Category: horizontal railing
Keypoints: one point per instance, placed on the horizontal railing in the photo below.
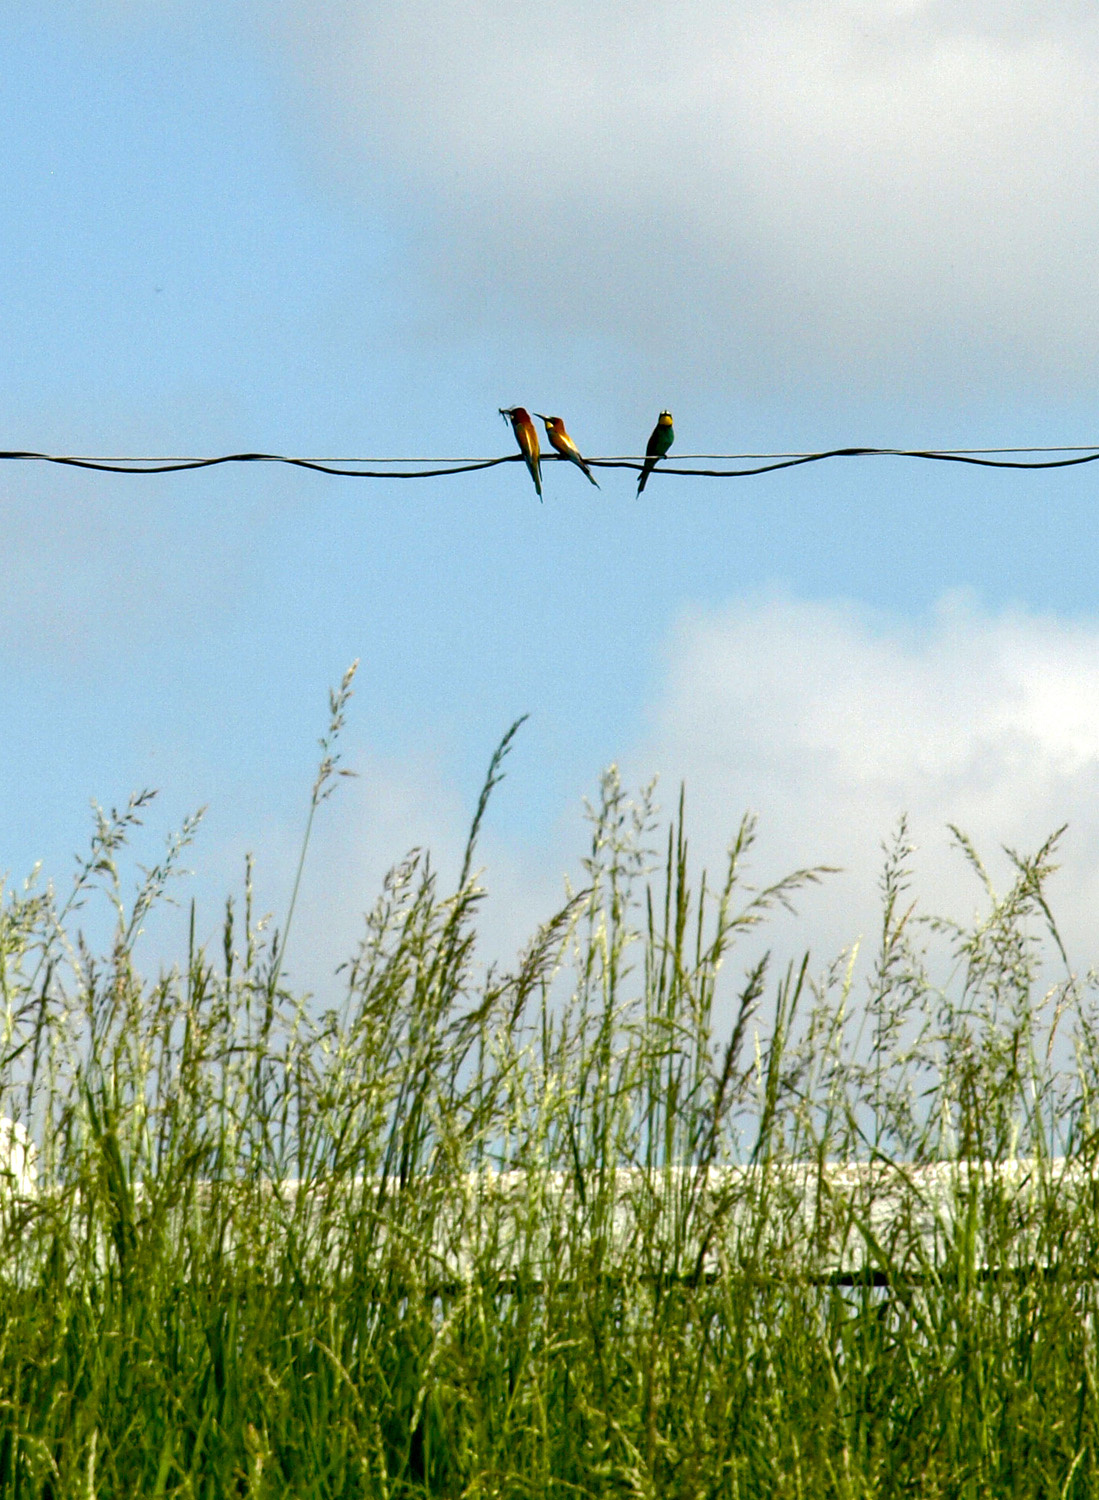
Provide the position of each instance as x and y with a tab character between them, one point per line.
876	1221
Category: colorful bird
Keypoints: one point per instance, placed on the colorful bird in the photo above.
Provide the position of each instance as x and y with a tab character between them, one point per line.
526	435
559	439
663	436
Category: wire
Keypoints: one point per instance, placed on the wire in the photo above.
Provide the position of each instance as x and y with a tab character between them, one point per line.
956	456
354	468
322	466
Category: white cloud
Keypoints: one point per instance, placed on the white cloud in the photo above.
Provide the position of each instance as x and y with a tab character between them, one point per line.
829	724
826	722
893	187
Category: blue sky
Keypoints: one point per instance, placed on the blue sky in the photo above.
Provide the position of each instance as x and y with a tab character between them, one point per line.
339	228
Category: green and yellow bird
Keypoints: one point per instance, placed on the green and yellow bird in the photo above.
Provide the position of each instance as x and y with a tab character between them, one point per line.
560	440
663	436
526	435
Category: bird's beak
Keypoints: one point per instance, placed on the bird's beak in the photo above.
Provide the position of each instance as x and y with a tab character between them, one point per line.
540	417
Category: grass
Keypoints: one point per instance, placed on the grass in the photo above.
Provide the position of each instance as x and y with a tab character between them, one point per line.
548	1232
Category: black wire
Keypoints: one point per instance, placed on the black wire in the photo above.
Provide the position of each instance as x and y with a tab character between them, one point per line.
814	458
177	465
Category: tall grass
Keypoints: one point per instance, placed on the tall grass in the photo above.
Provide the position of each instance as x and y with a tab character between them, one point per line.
550	1231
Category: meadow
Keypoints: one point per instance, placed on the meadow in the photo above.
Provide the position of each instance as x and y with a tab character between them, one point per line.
550	1230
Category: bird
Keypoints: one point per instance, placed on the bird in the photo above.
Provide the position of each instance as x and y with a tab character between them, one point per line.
559	439
526	435
663	436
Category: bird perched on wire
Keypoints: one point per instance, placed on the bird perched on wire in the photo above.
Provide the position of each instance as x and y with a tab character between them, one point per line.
560	440
526	435
663	436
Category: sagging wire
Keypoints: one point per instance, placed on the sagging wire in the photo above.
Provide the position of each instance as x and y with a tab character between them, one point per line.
355	468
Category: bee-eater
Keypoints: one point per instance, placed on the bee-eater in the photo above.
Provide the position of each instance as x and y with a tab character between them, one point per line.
526	435
559	439
663	436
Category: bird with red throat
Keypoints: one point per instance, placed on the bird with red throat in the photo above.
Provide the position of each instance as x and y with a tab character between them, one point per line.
526	435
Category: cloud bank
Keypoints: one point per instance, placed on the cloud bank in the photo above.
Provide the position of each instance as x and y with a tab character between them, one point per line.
825	721
900	190
830	724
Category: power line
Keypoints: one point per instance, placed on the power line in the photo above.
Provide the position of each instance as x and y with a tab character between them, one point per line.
413	468
321	465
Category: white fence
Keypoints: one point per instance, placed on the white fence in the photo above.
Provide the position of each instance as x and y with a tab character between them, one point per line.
846	1222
